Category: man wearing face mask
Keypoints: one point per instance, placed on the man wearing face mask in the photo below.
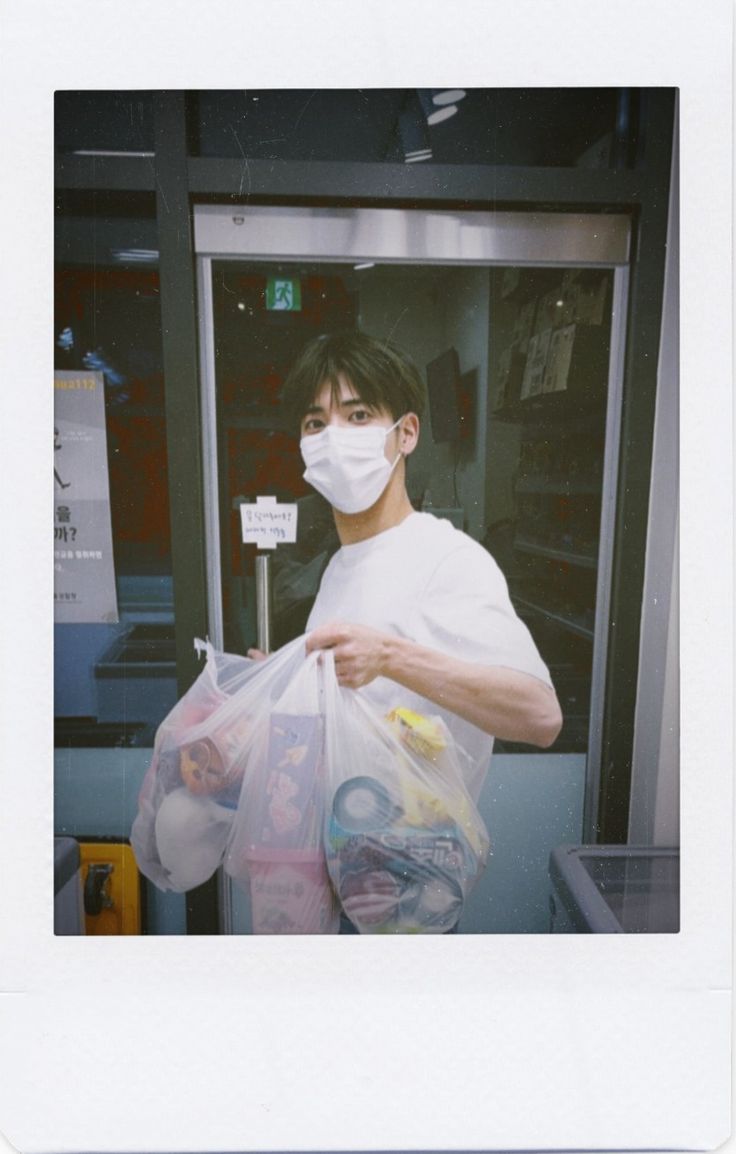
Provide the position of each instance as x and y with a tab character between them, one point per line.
416	612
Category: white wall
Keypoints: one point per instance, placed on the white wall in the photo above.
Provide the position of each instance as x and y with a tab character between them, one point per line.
654	810
667	797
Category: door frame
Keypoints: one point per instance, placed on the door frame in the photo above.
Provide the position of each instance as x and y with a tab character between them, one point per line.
337	235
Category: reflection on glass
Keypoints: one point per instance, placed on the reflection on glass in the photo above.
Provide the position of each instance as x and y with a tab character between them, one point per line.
104	123
551	342
552	127
115	683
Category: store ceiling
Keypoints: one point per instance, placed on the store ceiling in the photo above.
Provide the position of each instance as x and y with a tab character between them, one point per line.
529	126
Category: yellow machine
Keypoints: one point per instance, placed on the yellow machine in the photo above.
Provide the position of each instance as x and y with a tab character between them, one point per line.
112	888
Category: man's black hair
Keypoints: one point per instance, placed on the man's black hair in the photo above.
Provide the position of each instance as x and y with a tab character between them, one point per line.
382	375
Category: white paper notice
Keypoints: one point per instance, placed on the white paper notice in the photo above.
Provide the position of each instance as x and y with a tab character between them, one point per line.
268	524
84	570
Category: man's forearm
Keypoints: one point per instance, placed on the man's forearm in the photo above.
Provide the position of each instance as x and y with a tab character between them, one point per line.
511	705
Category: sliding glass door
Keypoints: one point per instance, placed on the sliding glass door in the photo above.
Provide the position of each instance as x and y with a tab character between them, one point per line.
517	321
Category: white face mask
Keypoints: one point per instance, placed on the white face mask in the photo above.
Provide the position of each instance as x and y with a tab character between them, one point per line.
348	466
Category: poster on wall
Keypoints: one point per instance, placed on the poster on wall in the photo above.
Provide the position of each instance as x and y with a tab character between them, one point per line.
84	570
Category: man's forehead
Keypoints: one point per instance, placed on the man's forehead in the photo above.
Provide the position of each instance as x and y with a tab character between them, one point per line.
328	395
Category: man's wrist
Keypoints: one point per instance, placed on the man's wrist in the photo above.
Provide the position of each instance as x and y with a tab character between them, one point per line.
396	655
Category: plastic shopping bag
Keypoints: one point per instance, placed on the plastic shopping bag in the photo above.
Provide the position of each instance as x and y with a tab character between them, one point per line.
190	793
276	849
404	841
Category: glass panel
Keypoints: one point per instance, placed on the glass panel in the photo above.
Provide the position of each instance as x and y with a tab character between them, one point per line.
115	682
550	127
511	449
593	127
550	346
104	122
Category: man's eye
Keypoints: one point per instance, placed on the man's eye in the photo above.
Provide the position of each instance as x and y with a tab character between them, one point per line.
313	425
360	416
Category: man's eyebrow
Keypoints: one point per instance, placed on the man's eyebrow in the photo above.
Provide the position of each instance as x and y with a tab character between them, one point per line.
350	402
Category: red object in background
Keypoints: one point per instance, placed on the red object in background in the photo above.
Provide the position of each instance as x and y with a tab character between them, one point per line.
117	311
256	390
139	493
562	510
466	412
325	301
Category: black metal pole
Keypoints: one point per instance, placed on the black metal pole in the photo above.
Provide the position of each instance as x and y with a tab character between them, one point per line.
183	423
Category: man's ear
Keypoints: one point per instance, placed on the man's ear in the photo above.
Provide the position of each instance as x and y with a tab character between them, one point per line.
408	433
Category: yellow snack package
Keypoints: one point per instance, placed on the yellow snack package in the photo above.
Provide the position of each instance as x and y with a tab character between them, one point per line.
427	738
423	735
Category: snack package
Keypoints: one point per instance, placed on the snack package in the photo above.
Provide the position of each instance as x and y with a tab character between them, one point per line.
404	841
275	849
190	793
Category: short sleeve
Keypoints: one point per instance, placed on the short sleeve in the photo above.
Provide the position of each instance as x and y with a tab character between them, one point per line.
465	611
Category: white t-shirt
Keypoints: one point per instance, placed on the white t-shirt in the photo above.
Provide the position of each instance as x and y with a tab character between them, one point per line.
428	582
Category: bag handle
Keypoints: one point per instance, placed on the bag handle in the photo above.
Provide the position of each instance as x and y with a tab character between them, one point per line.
205	647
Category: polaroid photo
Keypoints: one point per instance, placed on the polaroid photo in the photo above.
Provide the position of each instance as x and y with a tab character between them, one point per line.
425	394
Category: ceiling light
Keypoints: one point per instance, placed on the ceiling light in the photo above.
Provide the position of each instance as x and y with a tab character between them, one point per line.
443	96
107	152
135	255
368	264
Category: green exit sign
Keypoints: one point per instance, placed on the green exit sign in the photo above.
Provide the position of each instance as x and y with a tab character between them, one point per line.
283	294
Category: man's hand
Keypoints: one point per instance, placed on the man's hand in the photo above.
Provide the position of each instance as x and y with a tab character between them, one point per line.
256	655
359	652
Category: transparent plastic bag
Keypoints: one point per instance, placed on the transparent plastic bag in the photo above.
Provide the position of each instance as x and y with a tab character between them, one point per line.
192	788
307	796
276	849
404	841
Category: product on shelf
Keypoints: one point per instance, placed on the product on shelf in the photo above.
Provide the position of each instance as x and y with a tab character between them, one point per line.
533	383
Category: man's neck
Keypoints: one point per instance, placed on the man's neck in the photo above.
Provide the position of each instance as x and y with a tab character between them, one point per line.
391	508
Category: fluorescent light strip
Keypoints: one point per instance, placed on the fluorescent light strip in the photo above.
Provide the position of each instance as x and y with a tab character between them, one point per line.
141	255
107	152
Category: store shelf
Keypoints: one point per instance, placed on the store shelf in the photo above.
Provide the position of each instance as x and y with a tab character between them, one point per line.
582	560
575	408
565	622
